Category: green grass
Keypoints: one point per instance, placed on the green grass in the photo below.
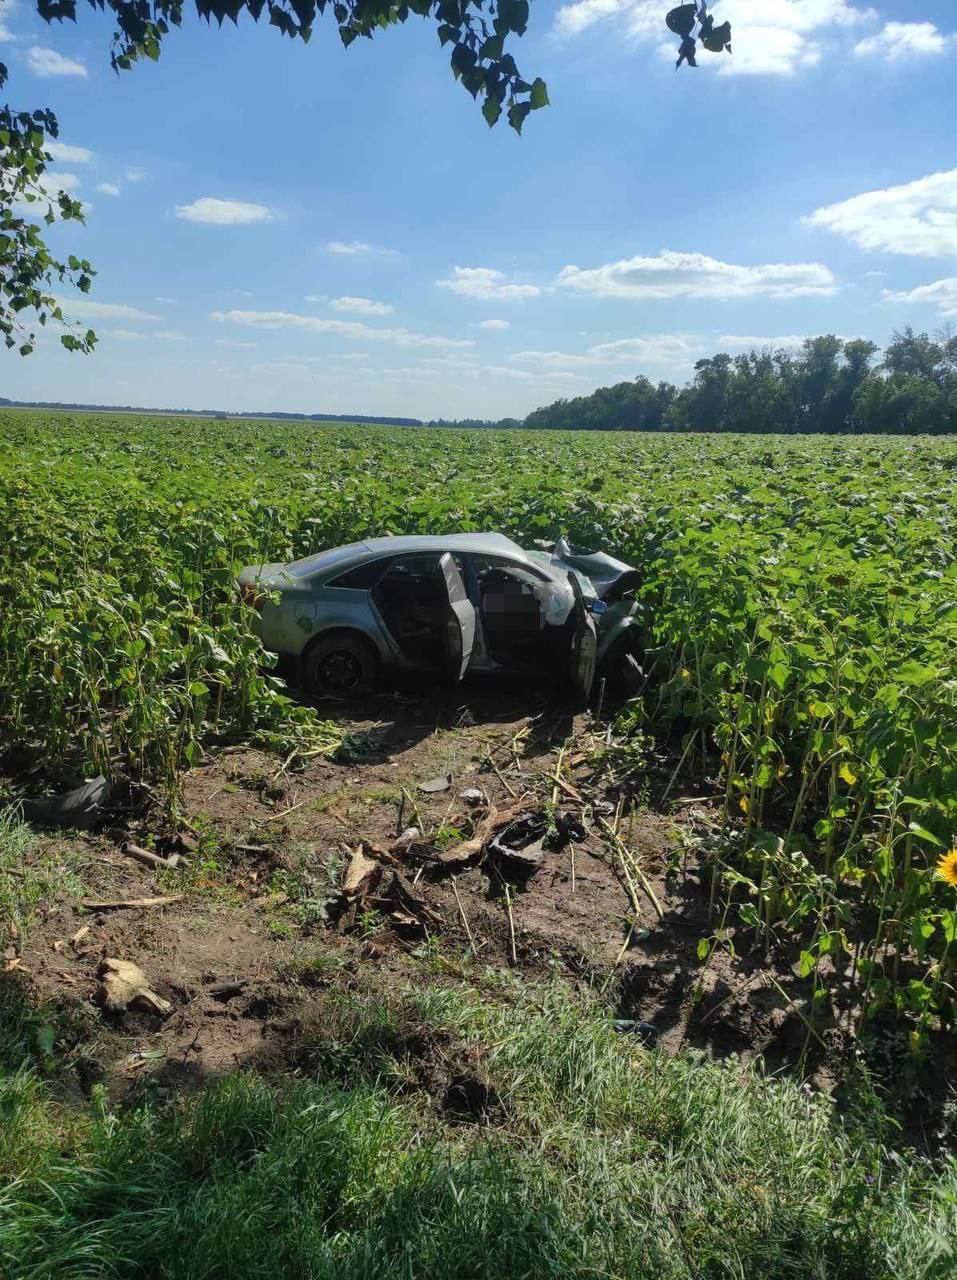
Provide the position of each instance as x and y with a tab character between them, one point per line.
608	1161
24	884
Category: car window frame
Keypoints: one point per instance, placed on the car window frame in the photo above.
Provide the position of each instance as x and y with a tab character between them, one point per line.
383	563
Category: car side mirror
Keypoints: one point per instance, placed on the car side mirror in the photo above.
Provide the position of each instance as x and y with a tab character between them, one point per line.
597	607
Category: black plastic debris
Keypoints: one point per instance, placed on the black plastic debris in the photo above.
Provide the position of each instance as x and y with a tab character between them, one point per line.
519	847
569	827
80	808
635	1026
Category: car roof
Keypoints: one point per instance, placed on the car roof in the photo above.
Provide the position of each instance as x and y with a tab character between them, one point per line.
492	543
340	559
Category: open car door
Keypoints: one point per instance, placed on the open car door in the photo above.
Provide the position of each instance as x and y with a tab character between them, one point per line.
584	651
460	626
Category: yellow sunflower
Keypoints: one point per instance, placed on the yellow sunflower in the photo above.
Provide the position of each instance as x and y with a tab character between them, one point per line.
947	867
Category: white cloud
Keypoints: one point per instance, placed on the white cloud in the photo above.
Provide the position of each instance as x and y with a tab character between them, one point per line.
695	275
169	335
357	248
89	309
166	302
108	188
71	155
53	180
353	329
47	188
734	342
236	346
6	9
494	324
775	37
135	174
361	306
213	212
918	218
47	63
899	40
486	285
129	335
942	294
661	349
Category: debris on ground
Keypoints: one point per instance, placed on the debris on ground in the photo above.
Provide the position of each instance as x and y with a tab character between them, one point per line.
435	785
519	846
406	908
470	850
80	808
473	797
148	859
227	990
361	874
123	984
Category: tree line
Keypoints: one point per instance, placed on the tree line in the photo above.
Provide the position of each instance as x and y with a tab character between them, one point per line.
829	385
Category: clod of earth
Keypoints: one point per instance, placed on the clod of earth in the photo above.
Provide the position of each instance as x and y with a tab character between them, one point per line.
226	990
123	983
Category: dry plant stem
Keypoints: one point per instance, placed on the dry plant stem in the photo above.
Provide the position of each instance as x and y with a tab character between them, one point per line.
511	923
792	1004
558	773
465	922
678	766
618	958
629	862
502	778
274	817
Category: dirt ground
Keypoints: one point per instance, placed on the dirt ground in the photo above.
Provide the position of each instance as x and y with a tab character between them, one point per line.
259	937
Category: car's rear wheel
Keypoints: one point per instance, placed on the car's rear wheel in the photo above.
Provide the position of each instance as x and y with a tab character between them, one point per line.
621	668
341	664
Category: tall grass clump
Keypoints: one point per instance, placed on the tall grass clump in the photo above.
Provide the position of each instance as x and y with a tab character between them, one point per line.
607	1161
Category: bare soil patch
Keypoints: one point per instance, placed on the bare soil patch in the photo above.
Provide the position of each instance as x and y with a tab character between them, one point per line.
252	955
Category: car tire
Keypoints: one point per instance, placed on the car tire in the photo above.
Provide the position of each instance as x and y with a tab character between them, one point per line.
620	668
341	664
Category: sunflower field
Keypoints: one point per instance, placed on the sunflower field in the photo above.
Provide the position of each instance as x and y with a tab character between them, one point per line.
801	596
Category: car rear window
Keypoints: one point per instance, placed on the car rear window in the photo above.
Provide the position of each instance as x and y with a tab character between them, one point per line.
362	578
309	565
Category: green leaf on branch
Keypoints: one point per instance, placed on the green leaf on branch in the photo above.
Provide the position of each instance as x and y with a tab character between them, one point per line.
539	96
491	110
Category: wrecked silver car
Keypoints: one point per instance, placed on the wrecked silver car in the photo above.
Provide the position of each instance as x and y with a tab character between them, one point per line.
450	605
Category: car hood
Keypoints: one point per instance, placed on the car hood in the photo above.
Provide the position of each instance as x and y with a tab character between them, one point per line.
599	573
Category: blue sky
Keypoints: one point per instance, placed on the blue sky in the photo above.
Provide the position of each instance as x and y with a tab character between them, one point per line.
279	226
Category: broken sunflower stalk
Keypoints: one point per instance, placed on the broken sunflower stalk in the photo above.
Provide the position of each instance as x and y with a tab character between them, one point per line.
684	19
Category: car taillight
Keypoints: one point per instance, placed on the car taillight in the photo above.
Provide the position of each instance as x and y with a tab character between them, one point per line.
252	596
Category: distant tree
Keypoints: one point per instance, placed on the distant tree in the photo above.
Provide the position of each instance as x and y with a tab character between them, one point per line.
917	387
829	385
705	405
476	30
627	406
